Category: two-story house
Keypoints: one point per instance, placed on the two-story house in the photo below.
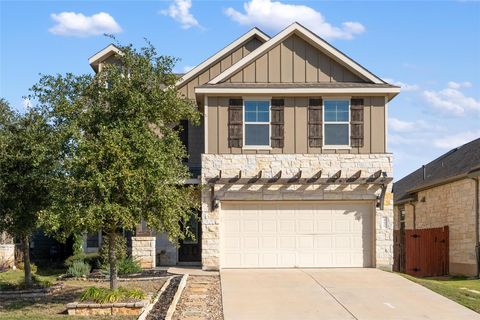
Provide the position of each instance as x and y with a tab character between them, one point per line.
292	153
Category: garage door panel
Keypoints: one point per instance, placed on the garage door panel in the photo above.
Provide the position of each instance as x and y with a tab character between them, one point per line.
269	243
286	226
269	226
287	243
296	235
305	226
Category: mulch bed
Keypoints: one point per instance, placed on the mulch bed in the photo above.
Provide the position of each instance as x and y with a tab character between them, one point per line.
99	275
159	310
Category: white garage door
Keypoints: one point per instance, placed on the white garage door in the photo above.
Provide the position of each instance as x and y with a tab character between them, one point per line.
296	234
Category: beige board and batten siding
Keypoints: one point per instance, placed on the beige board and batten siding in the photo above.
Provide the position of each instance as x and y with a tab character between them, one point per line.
294	61
295	126
188	89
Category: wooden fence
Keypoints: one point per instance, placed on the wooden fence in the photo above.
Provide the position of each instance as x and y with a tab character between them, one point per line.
422	252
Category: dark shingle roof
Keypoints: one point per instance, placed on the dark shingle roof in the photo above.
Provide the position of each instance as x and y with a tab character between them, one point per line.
455	163
300	85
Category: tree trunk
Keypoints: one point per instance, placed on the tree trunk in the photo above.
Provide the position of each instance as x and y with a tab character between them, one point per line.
26	261
112	258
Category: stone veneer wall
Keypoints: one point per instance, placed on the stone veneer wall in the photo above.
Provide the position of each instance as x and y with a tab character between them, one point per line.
7	256
143	249
451	205
310	164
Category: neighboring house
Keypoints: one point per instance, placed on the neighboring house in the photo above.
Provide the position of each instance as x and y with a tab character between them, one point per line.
444	192
292	151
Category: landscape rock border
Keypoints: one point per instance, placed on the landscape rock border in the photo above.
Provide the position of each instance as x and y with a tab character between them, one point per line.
178	294
117	308
31	293
149	307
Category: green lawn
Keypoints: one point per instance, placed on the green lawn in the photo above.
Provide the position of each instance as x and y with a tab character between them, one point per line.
454	288
53	307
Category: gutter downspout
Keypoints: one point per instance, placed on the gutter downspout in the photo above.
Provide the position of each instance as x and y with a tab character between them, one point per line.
477	220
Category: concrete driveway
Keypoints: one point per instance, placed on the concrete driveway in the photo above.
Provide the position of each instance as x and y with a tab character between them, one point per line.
256	294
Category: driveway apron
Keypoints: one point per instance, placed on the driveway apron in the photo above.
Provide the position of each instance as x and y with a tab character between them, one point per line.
366	294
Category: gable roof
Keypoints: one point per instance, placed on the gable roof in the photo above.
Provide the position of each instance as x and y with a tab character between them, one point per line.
255	32
102	55
456	164
313	38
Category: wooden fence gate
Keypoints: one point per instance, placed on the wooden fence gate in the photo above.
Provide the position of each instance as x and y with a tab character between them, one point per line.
426	252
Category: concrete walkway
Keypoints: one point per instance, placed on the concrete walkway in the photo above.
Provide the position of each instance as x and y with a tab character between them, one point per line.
331	294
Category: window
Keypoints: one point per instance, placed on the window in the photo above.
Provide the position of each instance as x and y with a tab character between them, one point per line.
93	240
257	123
336	117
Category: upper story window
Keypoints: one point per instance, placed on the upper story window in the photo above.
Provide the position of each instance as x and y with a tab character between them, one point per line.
336	119
257	123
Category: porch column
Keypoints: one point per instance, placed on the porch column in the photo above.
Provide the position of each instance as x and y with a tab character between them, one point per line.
143	249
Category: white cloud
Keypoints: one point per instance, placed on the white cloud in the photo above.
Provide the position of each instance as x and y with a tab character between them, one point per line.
179	11
457	85
456	140
398	125
78	25
275	15
403	85
452	101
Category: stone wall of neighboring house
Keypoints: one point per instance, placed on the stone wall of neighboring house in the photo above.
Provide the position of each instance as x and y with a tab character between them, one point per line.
451	205
310	164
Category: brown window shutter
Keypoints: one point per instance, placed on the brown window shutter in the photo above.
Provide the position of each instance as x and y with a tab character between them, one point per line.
315	133
356	123
277	123
235	123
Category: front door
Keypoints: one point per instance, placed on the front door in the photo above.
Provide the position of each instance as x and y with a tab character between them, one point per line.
190	248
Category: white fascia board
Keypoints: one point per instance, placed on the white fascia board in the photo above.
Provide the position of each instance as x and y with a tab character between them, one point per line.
102	53
282	36
296	90
219	54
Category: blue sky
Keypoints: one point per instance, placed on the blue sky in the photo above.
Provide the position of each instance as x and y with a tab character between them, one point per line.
431	49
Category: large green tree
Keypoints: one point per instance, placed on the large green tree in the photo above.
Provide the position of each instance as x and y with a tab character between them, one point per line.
122	155
28	161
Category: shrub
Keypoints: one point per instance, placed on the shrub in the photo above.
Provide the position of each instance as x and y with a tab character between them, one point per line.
33	267
128	265
78	257
79	269
104	295
93	259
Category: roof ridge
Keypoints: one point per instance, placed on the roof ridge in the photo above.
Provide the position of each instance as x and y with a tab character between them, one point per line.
318	41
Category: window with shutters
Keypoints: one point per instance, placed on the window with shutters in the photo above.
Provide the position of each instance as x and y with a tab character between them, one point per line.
256	123
336	119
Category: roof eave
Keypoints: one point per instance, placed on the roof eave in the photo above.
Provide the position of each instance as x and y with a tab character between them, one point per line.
199	68
103	54
390	92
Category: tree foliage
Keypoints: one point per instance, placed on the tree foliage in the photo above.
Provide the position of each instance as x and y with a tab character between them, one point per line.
121	154
28	160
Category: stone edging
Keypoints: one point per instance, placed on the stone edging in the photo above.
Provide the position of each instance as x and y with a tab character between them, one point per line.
173	305
117	308
148	308
32	292
124	279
